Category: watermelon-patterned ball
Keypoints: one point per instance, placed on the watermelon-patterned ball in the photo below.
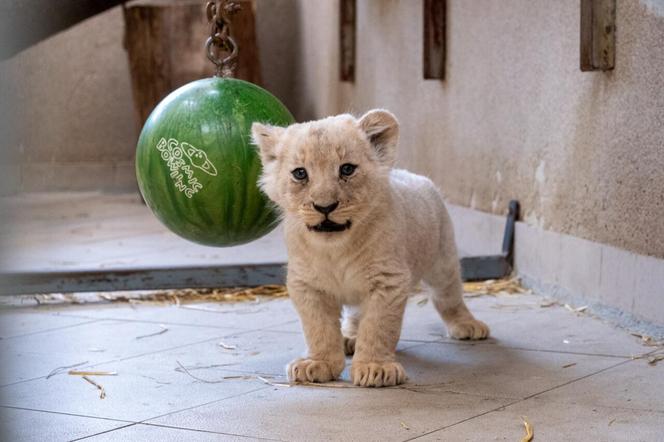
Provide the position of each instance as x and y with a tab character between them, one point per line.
196	166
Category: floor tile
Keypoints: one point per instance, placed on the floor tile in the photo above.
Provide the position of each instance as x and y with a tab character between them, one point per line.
320	413
104	231
262	352
242	315
570	374
518	321
495	371
32	356
634	385
144	387
28	425
163	434
557	422
294	326
255	352
22	321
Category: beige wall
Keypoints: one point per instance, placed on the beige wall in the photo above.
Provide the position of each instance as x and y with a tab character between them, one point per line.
66	111
75	126
515	117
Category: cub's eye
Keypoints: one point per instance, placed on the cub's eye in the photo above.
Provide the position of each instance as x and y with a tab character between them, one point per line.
299	174
347	169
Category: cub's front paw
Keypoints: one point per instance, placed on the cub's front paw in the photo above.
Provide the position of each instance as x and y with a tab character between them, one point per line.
377	374
310	370
468	329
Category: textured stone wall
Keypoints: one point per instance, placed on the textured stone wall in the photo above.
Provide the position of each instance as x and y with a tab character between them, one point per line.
66	114
74	120
515	117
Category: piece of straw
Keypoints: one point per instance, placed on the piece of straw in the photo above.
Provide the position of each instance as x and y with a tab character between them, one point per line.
274	384
653	360
92	373
102	392
530	433
61	369
163	330
493	287
184	370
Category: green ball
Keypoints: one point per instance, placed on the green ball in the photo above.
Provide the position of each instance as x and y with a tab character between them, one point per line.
196	167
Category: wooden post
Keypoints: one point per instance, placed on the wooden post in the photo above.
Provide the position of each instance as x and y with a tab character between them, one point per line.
347	14
166	49
598	35
434	39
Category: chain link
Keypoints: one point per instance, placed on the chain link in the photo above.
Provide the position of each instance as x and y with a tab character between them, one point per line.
219	13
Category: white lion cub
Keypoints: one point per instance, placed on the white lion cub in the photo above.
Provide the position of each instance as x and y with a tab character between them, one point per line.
360	235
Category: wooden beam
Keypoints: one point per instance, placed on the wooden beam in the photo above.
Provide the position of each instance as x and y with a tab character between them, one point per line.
434	39
598	35
165	42
347	12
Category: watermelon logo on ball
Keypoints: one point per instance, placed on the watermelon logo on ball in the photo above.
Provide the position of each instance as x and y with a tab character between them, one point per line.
196	167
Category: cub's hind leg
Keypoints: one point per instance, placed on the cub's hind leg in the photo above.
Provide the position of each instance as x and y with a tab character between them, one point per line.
444	277
349	326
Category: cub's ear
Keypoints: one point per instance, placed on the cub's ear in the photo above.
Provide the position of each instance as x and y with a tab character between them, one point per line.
382	130
266	137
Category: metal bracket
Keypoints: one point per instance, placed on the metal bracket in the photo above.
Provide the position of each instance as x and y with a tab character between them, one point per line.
474	268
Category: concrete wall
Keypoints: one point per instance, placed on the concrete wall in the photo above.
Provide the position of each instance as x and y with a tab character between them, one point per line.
67	116
515	117
74	124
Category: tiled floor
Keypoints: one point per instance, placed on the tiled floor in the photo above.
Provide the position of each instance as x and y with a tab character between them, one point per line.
573	377
90	231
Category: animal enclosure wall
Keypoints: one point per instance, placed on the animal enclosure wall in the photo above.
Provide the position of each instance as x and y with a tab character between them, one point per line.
515	117
68	117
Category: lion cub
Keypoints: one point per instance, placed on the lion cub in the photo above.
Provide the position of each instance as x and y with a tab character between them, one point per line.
360	235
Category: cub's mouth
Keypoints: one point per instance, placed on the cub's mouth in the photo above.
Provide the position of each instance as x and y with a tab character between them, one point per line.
330	226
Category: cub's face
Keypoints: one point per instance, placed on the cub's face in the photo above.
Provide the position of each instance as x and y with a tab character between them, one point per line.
327	174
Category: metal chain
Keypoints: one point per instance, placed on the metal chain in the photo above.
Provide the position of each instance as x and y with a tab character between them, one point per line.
220	41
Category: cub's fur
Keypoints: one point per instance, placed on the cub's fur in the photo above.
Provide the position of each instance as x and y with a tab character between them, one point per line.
359	239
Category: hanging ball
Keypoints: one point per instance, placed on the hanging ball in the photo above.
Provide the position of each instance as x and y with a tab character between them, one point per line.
196	166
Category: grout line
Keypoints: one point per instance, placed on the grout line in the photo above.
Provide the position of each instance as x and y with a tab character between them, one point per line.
173	428
104	432
235	331
168	349
149	321
91	321
283	332
497	345
67	414
521	400
145	421
578	379
208	431
110	361
464	420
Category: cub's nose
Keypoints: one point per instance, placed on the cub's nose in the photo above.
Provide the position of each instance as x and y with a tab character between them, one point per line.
325	210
